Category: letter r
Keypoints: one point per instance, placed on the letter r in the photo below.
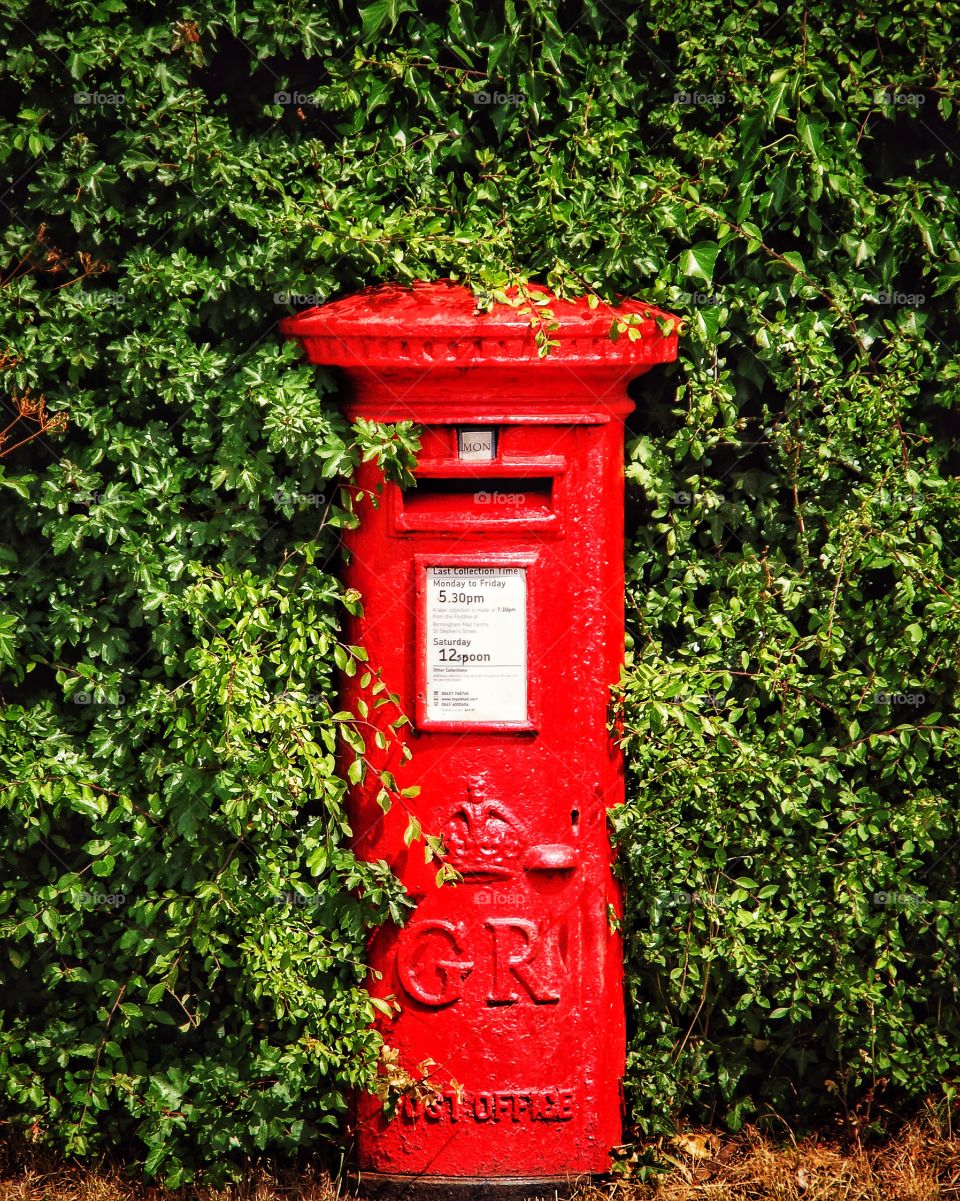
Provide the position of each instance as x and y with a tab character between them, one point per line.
512	962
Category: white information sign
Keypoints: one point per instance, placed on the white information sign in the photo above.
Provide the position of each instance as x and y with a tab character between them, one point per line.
476	644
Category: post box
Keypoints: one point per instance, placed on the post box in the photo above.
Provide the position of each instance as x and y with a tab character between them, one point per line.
493	607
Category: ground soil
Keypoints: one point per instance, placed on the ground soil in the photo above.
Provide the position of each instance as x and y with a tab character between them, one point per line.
920	1163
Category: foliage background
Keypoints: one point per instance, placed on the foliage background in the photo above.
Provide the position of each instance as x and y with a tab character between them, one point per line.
181	922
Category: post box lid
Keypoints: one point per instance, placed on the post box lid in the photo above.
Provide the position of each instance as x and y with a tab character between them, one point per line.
438	323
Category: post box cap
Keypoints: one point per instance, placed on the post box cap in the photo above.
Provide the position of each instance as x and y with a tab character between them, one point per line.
438	323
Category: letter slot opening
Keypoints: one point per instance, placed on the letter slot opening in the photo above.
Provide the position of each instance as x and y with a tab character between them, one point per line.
438	502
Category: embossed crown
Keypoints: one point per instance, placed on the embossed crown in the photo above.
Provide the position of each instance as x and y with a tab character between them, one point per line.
485	840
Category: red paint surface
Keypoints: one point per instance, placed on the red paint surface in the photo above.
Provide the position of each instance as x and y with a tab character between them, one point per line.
511	982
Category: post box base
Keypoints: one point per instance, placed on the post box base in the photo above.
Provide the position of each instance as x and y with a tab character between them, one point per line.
377	1186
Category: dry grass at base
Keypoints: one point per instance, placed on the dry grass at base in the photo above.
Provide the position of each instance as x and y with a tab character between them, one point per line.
68	1182
922	1163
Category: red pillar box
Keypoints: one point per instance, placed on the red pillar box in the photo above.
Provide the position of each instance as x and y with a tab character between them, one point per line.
493	607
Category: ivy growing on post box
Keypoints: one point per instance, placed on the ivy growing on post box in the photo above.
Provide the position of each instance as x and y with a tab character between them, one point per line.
182	924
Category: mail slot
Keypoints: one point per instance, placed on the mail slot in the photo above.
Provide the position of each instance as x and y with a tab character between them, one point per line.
493	607
437	503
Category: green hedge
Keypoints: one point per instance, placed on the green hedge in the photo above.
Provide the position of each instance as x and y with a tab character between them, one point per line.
182	923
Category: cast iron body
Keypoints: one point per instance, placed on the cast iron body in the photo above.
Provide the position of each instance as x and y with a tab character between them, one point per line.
510	983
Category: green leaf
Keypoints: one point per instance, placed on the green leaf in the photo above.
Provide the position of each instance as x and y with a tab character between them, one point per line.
698	261
383	14
412	832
